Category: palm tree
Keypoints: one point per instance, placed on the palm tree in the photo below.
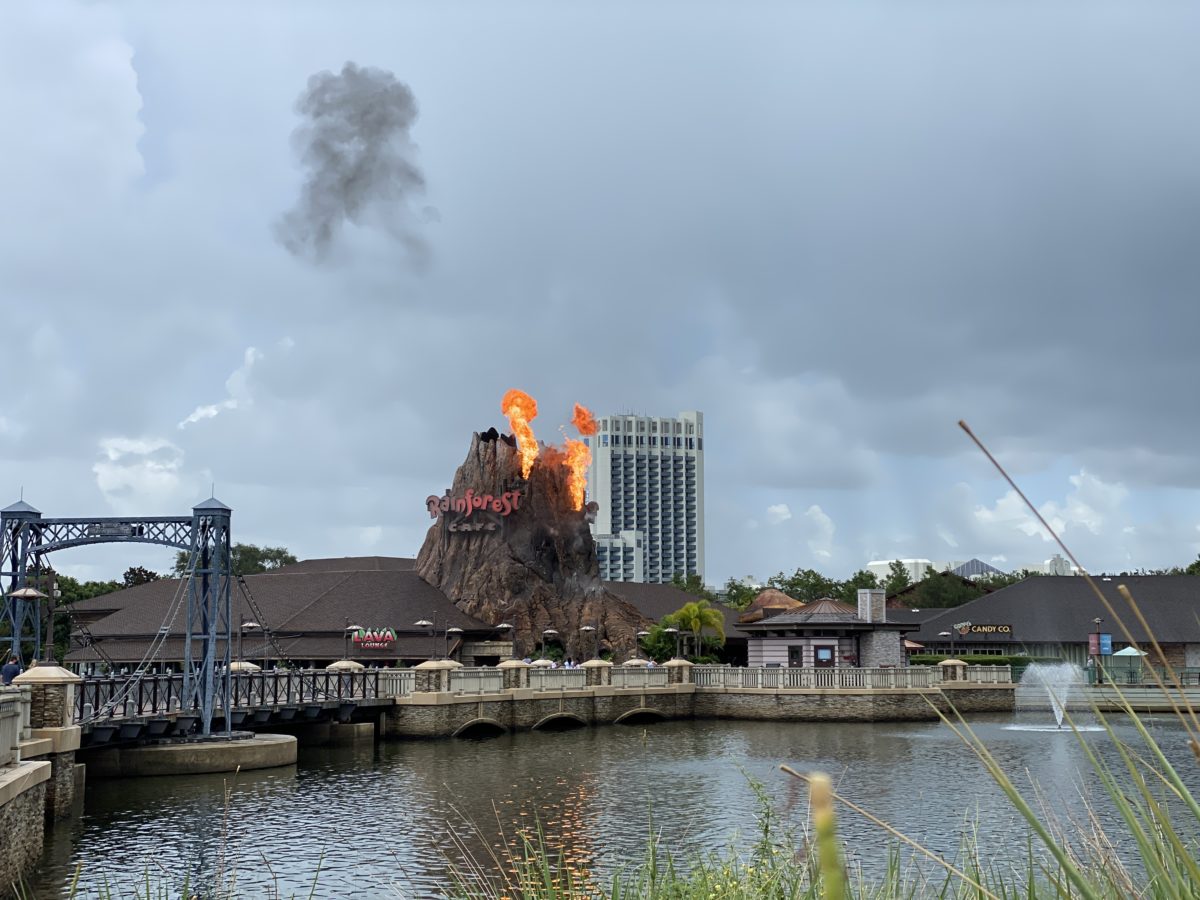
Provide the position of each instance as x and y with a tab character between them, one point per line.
695	617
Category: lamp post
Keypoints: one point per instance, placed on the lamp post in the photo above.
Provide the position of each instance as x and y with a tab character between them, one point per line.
590	631
1097	659
350	629
637	644
949	634
242	629
27	594
547	632
425	623
456	631
504	628
674	631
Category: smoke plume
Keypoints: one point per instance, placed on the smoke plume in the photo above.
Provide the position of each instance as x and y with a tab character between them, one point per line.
355	146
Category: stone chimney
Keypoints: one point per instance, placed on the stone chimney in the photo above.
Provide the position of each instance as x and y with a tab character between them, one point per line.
872	605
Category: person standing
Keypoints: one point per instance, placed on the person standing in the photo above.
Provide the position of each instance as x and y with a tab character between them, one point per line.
10	670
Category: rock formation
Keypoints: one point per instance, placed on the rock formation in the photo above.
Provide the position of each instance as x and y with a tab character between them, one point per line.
527	559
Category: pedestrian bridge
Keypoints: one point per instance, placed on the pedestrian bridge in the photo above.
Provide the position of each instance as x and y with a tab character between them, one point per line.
441	698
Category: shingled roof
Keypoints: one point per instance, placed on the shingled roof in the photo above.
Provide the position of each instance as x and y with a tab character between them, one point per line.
348	564
1061	609
770	602
315	605
656	601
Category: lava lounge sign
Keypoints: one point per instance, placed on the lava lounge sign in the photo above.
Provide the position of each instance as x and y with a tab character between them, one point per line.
470	511
375	638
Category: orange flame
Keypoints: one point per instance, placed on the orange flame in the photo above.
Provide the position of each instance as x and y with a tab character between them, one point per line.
584	421
521	409
579	457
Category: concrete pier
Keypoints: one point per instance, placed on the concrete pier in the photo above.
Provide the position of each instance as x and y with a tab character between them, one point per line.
263	751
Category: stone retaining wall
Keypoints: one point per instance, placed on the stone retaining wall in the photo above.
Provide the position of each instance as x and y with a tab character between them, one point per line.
22	822
60	788
818	706
433	715
975	699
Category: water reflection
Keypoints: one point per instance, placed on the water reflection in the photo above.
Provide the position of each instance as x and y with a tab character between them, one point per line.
371	817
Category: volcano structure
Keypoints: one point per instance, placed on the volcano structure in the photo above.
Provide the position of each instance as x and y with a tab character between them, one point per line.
507	548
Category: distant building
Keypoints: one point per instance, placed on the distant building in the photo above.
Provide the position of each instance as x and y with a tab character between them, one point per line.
1062	618
975	568
647	476
917	568
1055	565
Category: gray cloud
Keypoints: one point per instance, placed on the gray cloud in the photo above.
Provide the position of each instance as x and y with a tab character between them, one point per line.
863	225
356	148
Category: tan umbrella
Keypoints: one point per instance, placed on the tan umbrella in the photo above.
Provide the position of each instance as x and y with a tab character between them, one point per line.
28	593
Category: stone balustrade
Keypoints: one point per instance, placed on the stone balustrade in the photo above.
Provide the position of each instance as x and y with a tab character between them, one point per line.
15	706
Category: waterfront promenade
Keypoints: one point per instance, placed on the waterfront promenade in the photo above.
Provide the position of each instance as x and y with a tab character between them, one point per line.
439	698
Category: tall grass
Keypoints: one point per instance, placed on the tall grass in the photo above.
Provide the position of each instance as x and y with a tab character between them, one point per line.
1153	852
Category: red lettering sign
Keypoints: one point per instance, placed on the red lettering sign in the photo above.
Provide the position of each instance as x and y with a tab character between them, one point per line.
469	502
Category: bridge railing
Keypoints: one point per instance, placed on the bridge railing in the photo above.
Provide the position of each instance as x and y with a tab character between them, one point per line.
842	678
638	676
14	718
557	679
396	682
124	697
989	674
476	681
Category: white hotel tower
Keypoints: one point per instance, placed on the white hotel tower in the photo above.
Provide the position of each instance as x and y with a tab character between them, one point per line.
647	476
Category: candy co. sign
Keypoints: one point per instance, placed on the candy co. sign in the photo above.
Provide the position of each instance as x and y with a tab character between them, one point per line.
470	511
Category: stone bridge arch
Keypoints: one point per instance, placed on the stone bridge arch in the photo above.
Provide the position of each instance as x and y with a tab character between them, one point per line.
640	715
560	721
480	726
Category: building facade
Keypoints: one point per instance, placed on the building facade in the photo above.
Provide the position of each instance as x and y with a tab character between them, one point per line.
647	476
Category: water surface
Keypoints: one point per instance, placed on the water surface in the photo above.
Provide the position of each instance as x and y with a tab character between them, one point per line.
381	821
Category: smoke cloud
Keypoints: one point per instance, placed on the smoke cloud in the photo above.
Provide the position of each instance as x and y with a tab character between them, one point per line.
359	157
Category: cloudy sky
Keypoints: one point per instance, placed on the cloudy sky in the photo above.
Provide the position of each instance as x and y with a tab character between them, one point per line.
835	228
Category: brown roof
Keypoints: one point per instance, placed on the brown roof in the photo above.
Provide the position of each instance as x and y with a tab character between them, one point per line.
657	601
348	564
768	603
254	648
820	612
307	612
1060	609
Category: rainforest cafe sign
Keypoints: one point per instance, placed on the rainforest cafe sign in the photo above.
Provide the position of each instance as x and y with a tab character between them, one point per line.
375	638
459	509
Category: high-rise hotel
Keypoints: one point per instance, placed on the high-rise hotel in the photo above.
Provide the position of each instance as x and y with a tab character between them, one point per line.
647	476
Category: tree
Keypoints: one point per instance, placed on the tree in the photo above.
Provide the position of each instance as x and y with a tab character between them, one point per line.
71	590
738	594
897	578
938	590
247	559
695	618
999	580
860	580
657	644
136	575
1193	568
805	585
694	585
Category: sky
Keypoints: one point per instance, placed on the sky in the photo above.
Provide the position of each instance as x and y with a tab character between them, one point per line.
834	228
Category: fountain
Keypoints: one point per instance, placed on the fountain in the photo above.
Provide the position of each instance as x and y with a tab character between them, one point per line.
1048	684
